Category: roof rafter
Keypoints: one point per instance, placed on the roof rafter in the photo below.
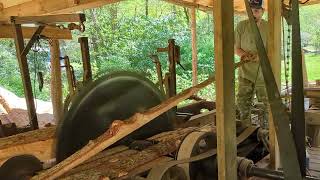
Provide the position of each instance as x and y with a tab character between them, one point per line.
43	7
50	32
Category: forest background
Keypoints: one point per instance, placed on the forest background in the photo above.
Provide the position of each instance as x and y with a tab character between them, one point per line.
122	36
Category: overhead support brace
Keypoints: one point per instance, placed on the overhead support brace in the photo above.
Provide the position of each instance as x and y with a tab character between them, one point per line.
49	19
32	40
225	93
279	115
24	70
87	73
28	32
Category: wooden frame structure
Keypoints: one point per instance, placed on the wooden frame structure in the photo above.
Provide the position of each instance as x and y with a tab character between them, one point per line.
22	51
223	14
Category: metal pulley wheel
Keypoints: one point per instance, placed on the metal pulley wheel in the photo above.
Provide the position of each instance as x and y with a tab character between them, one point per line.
116	96
196	143
173	173
20	167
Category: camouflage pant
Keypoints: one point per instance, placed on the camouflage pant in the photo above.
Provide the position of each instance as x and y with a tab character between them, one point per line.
245	98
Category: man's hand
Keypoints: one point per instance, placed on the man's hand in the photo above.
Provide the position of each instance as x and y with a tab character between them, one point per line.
249	57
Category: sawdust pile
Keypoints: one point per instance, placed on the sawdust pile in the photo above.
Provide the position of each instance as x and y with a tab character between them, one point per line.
14	110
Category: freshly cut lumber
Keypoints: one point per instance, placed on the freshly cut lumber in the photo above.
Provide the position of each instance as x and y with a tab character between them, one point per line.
39	143
131	162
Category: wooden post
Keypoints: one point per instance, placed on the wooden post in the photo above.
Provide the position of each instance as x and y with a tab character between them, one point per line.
87	73
24	70
304	70
274	53
194	46
172	68
225	93
56	84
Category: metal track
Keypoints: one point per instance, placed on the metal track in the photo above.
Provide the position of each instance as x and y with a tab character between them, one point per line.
158	172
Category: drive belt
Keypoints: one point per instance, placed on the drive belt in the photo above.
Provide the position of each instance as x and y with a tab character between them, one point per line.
157	172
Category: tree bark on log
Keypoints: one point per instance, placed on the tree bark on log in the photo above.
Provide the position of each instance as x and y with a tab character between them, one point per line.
124	164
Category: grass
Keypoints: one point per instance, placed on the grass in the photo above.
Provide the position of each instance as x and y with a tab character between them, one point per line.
313	68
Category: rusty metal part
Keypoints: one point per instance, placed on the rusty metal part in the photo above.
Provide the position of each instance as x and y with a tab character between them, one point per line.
247	169
195	138
196	143
173	173
156	61
20	167
116	96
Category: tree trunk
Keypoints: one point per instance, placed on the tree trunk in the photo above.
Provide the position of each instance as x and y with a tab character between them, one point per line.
186	12
147	8
56	83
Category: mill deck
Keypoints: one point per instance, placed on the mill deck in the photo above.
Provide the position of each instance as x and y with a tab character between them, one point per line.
314	163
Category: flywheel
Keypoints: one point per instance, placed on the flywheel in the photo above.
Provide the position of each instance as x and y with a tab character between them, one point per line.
196	143
116	96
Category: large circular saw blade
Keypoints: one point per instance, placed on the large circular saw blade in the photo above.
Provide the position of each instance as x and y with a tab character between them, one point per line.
116	96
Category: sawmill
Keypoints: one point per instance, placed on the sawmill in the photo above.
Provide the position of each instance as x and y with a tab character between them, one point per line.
124	126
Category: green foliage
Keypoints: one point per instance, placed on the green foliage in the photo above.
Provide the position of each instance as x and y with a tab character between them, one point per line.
122	36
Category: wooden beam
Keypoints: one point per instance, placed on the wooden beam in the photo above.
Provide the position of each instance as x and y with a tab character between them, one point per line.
38	142
56	83
7	31
45	7
312	92
87	73
24	70
225	94
48	19
9	3
304	70
274	53
190	4
32	40
193	24
313	117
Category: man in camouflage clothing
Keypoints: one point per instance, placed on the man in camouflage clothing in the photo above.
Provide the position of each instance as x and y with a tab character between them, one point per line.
251	80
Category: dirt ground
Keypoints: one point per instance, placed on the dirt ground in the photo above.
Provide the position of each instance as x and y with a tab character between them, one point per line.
14	110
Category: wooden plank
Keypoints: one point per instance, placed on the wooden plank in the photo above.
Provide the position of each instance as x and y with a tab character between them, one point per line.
38	142
9	3
192	4
200	119
274	53
45	7
193	24
56	83
313	117
304	70
172	68
7	31
87	73
24	70
48	19
312	92
32	40
225	94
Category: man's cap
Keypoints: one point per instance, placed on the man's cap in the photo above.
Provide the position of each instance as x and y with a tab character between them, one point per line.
256	4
